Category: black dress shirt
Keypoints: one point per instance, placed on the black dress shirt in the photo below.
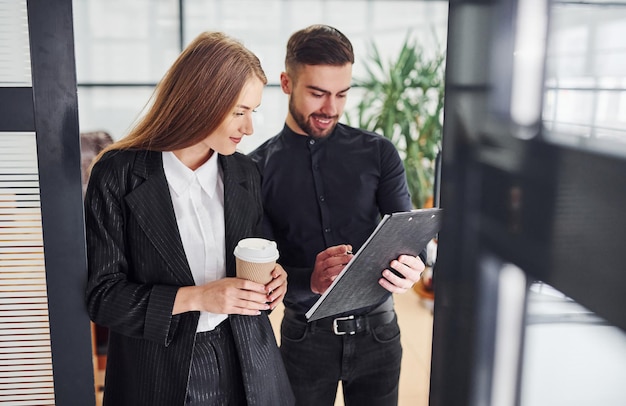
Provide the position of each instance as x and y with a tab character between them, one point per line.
321	192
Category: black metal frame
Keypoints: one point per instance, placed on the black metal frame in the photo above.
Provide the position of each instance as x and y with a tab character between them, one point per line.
54	107
555	211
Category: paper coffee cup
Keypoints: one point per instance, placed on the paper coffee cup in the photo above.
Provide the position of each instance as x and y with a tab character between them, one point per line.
256	259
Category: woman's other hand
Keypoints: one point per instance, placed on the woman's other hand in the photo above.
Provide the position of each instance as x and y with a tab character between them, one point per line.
277	287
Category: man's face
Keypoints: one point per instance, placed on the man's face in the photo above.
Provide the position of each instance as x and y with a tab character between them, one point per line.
317	97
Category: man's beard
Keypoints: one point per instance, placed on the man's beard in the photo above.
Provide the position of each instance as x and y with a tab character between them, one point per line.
306	125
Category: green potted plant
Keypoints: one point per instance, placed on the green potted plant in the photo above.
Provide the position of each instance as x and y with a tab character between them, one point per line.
403	100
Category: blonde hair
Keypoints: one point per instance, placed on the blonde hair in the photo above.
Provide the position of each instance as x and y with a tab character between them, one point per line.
196	94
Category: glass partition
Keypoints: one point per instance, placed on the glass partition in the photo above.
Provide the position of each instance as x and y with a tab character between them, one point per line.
571	356
585	84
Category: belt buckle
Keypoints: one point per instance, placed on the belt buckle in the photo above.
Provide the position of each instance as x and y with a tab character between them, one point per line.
336	325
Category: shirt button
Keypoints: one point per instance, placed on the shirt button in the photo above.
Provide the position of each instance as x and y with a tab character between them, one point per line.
322	198
327	230
311	142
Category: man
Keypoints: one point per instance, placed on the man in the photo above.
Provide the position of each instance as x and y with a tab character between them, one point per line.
325	187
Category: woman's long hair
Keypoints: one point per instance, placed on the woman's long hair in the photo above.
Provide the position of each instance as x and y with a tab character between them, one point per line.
195	95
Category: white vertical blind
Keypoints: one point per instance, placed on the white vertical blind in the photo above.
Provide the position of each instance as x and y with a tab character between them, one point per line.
25	356
14	45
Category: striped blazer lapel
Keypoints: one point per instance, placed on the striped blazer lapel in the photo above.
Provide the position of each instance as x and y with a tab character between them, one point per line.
236	198
151	204
254	338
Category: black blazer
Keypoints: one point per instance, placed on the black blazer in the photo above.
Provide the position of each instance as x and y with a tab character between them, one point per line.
136	263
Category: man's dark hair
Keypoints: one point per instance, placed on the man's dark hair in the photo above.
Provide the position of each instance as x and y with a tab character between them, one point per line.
318	45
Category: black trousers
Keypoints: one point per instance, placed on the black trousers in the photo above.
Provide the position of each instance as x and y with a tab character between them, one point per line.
367	362
215	377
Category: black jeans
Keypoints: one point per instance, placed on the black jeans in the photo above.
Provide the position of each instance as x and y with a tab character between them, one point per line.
367	363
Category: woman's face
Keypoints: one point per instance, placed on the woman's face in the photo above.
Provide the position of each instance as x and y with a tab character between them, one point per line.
225	138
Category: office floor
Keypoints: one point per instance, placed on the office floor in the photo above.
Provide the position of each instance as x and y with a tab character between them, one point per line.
416	322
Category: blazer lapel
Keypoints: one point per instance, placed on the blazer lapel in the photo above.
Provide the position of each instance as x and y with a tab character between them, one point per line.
152	206
254	338
236	196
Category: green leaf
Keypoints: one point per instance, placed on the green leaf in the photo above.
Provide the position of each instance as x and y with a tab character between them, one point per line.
403	100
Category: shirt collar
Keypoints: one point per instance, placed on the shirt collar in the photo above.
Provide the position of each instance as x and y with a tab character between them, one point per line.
180	177
299	139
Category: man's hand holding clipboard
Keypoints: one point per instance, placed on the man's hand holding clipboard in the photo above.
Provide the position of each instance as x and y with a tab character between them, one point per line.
398	236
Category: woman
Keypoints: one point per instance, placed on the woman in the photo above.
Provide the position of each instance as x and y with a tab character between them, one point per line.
165	207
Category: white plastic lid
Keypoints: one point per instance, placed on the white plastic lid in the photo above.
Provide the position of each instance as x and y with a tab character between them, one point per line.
256	250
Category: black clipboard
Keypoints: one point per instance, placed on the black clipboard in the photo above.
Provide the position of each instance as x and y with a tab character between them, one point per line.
357	285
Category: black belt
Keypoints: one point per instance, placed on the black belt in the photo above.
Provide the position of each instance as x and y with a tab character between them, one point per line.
343	325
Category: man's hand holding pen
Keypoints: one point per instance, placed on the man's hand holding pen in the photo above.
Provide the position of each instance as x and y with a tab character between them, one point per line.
328	264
